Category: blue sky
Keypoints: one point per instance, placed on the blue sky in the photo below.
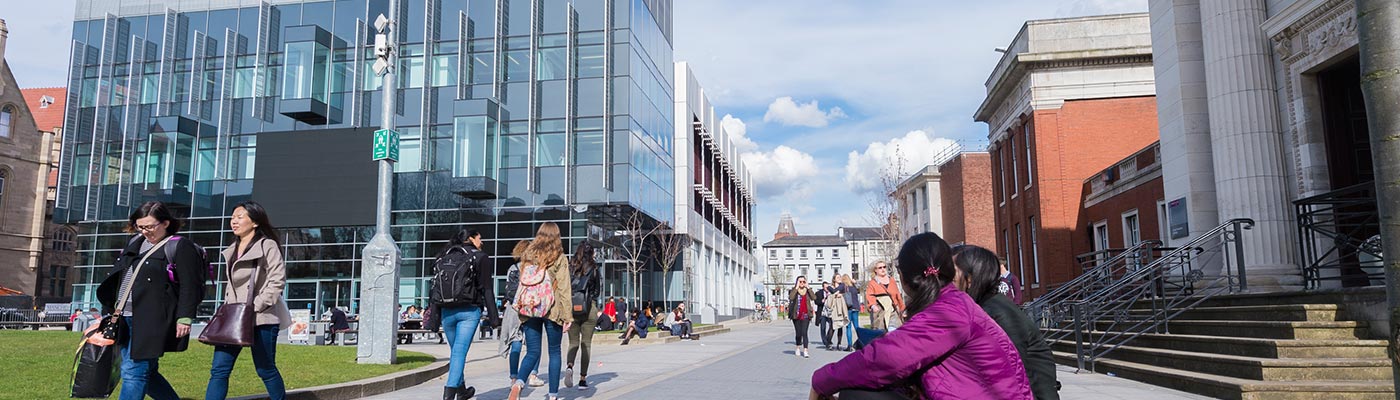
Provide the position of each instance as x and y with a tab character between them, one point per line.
822	90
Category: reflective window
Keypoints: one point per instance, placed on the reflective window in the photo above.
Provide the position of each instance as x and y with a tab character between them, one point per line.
517	66
305	71
410	73
590	61
482	67
445	70
549	149
552	64
7	116
168	161
514	151
475	146
588	147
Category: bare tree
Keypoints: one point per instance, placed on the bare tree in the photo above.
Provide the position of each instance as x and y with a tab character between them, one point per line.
1378	37
885	205
670	244
638	238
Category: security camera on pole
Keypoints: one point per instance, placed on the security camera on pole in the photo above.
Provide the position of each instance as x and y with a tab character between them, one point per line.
379	274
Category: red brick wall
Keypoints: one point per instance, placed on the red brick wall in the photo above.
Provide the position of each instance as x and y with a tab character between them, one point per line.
1142	198
1069	145
967	200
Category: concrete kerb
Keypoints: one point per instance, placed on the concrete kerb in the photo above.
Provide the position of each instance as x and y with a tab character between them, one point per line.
365	387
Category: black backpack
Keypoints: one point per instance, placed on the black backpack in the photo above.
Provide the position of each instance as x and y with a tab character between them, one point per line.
169	249
581	298
455	278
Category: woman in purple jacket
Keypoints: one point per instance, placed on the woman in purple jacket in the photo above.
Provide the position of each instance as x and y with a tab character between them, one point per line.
949	348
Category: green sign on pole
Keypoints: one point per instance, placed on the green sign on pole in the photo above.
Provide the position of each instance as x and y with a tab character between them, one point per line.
386	145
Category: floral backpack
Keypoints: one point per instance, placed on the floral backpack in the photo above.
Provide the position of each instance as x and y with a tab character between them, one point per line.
535	295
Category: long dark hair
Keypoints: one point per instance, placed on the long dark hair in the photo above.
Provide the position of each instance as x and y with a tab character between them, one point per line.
982	269
262	224
925	252
582	263
157	210
460	239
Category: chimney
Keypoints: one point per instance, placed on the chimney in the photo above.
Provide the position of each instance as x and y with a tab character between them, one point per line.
4	35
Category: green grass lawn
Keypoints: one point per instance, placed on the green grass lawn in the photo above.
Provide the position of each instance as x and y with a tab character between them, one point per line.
39	364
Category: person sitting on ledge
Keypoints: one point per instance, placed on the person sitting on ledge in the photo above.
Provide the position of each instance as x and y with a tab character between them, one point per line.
636	327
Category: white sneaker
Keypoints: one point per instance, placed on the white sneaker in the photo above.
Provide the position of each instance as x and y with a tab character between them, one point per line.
535	381
569	377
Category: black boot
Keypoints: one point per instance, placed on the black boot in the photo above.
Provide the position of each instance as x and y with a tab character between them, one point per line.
449	393
464	394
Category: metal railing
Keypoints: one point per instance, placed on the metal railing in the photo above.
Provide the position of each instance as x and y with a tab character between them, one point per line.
1100	268
1146	299
1338	237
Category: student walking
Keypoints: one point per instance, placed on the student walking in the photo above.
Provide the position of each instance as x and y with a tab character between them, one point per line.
544	297
882	294
255	252
801	310
851	293
823	323
949	348
512	337
587	286
463	291
156	304
978	276
836	316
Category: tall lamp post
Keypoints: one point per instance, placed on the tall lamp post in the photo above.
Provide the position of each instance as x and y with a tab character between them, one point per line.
379	277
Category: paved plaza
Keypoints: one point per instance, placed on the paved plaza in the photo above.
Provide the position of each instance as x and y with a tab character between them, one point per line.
754	361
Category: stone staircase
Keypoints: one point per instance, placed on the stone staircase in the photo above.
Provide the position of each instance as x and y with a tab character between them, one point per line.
1253	346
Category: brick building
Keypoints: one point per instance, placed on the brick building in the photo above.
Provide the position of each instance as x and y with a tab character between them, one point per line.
966	193
23	167
1070	98
56	273
1123	204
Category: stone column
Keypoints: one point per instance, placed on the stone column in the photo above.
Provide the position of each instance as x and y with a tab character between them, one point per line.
1246	141
1183	118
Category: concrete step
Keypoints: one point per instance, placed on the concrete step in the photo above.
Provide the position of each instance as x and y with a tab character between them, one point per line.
672	339
1225	387
1326	330
1254	368
1281	312
701	330
1257	347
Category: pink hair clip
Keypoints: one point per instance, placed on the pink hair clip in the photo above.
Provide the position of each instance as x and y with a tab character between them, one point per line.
931	271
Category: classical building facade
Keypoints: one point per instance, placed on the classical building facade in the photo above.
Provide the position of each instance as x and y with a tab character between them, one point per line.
1261	117
920	201
511	113
56	272
818	257
1070	98
24	161
714	207
865	246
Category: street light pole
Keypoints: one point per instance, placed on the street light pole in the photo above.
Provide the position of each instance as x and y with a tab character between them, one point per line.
379	277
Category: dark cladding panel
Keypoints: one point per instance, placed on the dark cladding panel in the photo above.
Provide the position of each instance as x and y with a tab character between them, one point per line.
316	178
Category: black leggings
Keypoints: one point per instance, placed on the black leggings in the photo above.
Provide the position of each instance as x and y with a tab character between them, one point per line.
801	325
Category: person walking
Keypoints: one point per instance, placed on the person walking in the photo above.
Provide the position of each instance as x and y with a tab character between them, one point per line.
156	304
255	252
512	337
800	310
547	253
949	349
819	297
587	286
978	275
836	316
1009	285
851	293
882	294
463	291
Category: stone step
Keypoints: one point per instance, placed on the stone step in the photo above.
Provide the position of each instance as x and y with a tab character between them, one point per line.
1224	387
1281	312
701	330
1263	347
1326	330
1254	368
672	339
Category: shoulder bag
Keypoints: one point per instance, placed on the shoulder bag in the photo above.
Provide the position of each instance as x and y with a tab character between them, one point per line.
232	324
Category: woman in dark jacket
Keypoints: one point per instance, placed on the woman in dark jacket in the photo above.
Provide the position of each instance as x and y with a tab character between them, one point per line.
164	294
802	308
978	274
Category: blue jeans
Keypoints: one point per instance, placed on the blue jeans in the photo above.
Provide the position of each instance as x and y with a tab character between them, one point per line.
264	360
141	378
532	328
854	315
515	360
459	323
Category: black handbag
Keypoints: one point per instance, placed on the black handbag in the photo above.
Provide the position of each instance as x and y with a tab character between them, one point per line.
232	324
95	371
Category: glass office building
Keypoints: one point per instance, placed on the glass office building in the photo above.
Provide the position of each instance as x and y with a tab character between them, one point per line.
511	113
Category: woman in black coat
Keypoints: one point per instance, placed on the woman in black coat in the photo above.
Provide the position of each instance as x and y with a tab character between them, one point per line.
978	274
164	294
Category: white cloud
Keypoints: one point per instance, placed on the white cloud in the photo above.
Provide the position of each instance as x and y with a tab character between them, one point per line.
788	112
785	171
906	154
738	133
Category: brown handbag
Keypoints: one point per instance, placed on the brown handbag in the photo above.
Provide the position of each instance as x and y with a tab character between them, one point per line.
232	324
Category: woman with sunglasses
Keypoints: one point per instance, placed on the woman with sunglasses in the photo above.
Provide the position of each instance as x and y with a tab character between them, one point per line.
802	308
882	295
155	292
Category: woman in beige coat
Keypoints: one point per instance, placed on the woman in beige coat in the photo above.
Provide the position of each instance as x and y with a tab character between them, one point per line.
547	250
257	249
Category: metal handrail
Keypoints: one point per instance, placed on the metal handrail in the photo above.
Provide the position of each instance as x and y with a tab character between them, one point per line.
1116	305
1335	231
1052	310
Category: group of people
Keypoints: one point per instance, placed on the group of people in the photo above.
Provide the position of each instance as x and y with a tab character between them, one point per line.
952	331
158	281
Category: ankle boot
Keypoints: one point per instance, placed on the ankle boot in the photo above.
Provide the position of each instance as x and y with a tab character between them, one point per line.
449	393
466	393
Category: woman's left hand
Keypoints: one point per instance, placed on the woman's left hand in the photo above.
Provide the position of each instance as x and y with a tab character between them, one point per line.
819	396
182	330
